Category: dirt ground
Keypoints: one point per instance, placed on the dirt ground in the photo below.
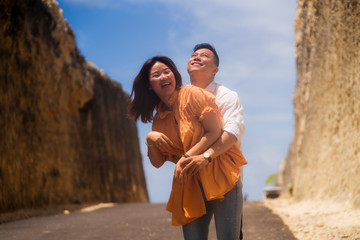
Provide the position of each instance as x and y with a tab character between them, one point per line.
317	220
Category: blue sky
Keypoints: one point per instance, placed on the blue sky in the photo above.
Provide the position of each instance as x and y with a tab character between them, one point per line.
255	43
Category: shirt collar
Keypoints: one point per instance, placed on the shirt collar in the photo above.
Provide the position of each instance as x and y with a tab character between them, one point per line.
211	87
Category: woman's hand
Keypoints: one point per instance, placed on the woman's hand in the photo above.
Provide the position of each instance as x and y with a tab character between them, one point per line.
159	140
180	165
157	143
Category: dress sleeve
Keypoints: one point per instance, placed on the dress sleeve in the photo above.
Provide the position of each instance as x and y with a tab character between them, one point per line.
162	124
200	102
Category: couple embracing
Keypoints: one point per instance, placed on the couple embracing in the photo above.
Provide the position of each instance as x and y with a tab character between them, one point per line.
198	127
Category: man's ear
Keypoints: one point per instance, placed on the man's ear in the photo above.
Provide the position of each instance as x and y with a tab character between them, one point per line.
215	70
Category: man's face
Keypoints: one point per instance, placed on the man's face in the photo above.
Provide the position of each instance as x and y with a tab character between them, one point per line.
202	60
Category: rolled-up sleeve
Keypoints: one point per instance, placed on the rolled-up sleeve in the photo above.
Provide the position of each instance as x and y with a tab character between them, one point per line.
232	112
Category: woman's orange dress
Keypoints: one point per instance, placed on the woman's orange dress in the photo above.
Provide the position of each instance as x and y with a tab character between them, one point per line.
183	126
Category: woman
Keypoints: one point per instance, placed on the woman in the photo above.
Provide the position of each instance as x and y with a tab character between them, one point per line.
186	123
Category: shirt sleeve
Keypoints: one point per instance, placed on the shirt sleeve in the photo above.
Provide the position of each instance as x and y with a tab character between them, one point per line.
232	112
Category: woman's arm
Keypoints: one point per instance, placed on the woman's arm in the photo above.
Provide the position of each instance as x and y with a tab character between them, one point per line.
187	166
158	143
223	143
212	129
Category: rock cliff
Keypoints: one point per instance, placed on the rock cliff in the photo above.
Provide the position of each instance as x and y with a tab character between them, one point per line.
324	157
64	134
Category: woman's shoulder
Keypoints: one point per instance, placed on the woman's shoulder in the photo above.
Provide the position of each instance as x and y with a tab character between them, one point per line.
195	99
189	90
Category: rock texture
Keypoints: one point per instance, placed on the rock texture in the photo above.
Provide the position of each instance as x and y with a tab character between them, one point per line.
324	158
64	134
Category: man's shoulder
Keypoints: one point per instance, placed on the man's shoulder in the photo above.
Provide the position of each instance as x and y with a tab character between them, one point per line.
222	91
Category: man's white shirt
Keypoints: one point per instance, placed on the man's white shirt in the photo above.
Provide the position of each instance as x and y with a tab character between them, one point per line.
231	109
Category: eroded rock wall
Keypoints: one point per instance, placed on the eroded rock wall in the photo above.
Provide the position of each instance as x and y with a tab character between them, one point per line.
324	158
64	134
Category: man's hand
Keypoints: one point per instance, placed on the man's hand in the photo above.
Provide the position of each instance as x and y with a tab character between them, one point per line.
159	140
195	163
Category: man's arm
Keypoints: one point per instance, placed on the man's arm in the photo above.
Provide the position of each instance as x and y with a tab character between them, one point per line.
232	111
234	128
224	143
221	145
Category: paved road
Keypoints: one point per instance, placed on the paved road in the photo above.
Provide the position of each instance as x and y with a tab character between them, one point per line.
134	221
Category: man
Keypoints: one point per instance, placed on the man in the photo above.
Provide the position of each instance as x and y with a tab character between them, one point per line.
202	68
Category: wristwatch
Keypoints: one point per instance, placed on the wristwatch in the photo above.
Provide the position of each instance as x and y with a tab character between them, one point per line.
207	156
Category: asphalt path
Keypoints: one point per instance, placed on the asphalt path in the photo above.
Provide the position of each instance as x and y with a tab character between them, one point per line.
134	221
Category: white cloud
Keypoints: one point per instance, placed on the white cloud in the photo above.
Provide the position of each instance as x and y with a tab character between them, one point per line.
253	15
254	38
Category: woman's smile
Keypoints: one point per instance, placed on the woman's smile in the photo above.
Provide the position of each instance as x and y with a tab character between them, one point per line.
162	80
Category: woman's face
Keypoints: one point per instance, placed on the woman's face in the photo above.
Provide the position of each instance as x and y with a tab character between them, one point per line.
162	80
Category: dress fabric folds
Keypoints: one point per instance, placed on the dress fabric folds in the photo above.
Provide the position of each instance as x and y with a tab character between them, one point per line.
183	126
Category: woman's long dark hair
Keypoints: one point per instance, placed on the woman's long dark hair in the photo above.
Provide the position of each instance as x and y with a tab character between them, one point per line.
145	100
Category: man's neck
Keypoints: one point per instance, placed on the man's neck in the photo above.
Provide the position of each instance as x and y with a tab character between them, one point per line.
200	80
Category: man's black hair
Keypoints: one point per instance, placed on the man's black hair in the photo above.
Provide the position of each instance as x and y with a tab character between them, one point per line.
211	48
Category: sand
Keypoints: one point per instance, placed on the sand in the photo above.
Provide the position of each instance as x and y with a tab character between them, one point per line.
317	220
